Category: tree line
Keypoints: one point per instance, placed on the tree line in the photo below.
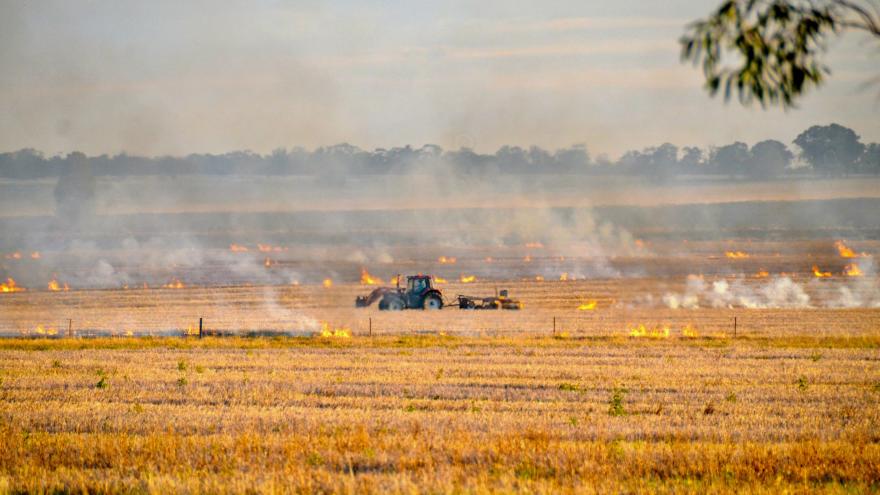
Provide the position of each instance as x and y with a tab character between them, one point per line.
831	150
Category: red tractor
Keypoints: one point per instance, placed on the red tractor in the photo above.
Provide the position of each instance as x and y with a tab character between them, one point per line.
419	293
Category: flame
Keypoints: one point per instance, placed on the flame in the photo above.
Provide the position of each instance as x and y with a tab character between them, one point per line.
488	259
444	260
846	252
368	279
35	255
440	280
564	276
640	243
13	256
55	286
174	284
40	330
10	286
655	333
762	274
342	333
466	279
528	258
539	278
853	270
327	283
736	254
268	262
235	248
689	332
588	306
820	274
535	245
268	248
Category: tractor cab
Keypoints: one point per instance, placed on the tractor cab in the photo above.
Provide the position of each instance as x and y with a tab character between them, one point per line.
416	288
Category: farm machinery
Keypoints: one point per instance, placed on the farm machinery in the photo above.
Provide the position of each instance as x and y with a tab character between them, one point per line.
421	293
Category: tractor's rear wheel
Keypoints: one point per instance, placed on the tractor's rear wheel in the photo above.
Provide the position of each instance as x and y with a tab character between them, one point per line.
433	302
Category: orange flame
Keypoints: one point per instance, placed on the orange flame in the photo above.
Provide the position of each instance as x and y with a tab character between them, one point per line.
339	333
236	248
528	258
40	330
736	254
13	256
535	245
853	270
440	280
689	331
35	255
268	248
174	284
488	259
654	333
539	278
762	274
845	251
564	276
268	262
327	283
444	260
55	286
588	306
368	279
10	286
467	279
820	274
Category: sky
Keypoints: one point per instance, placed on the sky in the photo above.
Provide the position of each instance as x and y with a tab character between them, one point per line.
199	76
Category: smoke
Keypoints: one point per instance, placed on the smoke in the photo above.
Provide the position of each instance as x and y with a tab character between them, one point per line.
861	292
780	292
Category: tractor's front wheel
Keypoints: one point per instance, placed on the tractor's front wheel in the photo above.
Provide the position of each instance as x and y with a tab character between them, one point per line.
433	302
393	304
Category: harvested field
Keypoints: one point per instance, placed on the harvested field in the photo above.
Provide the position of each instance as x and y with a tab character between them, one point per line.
440	414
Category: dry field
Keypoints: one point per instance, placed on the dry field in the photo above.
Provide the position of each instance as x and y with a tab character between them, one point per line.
441	414
550	399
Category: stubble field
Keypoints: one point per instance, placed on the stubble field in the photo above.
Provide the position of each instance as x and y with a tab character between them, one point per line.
440	414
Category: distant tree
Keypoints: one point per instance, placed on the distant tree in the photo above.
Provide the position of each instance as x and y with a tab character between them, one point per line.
769	159
732	159
24	164
575	159
691	159
75	189
870	160
831	149
664	162
775	45
512	159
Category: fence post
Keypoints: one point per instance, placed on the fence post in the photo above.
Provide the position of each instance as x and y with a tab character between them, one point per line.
70	327
734	327
370	321
200	327
554	326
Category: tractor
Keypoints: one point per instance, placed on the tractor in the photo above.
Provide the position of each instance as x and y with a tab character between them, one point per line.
419	293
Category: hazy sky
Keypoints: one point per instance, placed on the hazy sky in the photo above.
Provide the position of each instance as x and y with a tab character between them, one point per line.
175	77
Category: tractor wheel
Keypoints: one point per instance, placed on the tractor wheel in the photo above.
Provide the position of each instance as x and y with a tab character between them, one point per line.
394	304
383	306
433	302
